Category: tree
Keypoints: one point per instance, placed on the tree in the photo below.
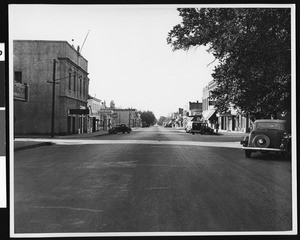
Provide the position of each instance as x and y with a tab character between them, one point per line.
253	49
161	120
148	117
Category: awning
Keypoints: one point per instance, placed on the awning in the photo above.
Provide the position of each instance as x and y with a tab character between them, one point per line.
207	114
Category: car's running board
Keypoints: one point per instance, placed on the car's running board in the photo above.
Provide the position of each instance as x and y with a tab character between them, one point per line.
263	149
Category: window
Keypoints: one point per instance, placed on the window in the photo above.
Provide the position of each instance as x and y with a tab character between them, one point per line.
269	125
70	80
83	86
80	87
18	76
74	81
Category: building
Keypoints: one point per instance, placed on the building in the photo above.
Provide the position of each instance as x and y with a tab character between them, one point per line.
35	65
95	120
128	116
195	108
208	104
232	120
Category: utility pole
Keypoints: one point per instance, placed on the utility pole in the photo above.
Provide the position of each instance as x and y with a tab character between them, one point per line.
129	118
53	98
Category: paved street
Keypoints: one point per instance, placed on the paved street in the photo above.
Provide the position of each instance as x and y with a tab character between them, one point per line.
151	180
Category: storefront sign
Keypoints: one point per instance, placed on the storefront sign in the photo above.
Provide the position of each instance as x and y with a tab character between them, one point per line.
105	111
20	91
79	111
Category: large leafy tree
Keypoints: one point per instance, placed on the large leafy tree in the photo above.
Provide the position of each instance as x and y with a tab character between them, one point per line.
253	49
148	117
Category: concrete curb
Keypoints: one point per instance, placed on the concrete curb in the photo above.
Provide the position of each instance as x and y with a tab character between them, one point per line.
33	146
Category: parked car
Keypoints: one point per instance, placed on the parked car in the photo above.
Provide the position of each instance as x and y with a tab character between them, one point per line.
195	125
120	128
268	136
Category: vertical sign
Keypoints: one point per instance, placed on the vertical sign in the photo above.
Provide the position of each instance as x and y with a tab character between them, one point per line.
2	130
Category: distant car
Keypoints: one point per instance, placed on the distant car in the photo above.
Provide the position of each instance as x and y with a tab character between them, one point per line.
119	128
195	125
268	136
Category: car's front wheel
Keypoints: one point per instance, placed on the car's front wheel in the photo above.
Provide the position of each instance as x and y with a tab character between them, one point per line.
248	153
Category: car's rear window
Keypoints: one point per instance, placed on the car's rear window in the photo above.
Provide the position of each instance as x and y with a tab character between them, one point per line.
269	125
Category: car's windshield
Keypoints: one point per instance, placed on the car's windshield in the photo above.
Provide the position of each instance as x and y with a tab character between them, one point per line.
269	125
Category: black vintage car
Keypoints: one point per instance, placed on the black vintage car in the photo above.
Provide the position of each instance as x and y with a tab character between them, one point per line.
268	136
119	128
195	125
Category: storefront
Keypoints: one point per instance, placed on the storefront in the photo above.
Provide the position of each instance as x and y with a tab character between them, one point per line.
233	122
210	117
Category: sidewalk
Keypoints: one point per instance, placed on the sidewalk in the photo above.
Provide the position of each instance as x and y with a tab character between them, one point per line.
21	145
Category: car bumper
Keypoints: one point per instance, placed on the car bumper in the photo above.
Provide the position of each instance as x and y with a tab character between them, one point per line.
195	131
263	149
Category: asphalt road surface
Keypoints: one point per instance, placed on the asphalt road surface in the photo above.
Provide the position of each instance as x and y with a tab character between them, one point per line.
151	180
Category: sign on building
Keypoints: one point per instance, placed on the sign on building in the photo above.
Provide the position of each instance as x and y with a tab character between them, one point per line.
20	91
105	111
79	111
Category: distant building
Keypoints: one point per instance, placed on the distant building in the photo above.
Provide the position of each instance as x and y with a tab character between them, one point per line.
208	104
195	108
128	116
95	122
33	66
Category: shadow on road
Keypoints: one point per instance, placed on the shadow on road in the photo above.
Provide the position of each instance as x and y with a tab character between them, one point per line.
269	157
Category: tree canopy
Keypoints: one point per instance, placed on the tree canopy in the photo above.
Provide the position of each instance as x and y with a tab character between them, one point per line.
148	117
253	49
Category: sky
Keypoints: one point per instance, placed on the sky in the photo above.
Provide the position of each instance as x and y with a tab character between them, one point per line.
129	60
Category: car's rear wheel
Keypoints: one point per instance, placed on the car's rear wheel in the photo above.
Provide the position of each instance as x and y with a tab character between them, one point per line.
261	141
248	153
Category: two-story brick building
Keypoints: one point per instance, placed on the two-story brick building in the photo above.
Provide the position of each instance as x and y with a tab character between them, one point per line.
34	70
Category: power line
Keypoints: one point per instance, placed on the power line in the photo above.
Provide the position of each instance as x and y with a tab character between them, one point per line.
84	41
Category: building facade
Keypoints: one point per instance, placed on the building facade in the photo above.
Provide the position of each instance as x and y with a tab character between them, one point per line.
232	120
128	116
95	120
195	108
35	65
208	104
